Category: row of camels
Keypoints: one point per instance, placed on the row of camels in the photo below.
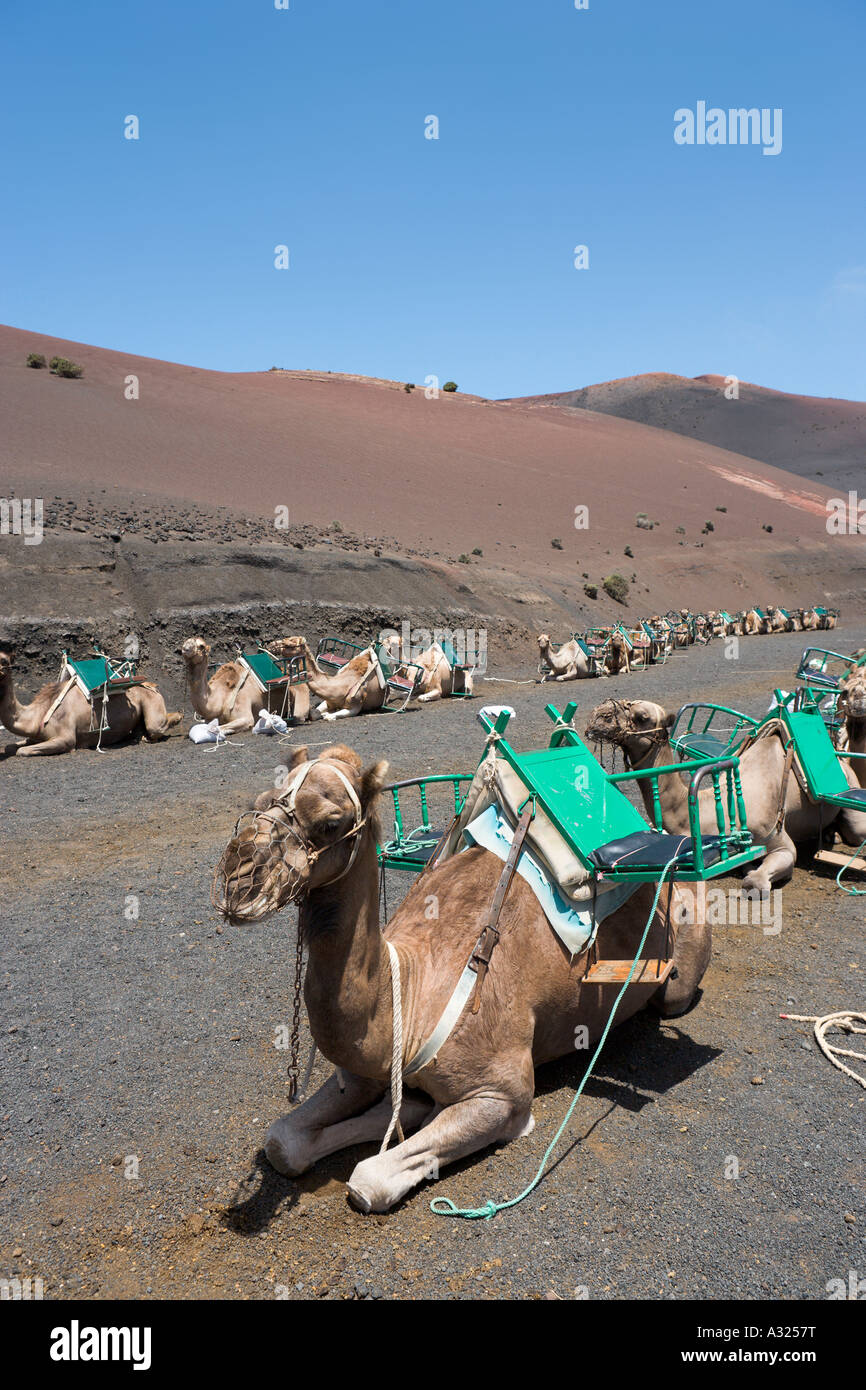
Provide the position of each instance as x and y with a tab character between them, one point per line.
314	843
60	718
615	650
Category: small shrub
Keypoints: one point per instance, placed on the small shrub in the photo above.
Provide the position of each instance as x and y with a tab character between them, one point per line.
616	587
681	530
556	543
410	386
450	386
767	528
61	366
721	509
478	550
708	526
591	590
629	552
35	359
643	521
336	525
463	559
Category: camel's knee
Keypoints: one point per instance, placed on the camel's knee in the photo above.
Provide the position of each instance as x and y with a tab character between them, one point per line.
289	1146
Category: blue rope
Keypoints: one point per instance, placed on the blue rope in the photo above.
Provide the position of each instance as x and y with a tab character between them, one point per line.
852	892
443	1206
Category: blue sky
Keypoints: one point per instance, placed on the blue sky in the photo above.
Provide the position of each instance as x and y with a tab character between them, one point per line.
454	256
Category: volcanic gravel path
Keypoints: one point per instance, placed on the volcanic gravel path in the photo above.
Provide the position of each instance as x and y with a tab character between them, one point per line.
140	1070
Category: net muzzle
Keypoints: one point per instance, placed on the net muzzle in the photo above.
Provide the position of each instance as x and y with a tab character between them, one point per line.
259	872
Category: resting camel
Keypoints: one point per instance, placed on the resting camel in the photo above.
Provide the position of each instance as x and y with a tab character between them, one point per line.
808	619
851	706
570	663
439	676
231	695
478	1089
752	622
616	658
355	689
827	621
49	727
640	728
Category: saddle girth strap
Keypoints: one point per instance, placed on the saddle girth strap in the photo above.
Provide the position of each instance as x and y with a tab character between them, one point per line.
484	946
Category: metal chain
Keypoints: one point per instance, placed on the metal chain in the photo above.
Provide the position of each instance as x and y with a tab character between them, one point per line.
296	1016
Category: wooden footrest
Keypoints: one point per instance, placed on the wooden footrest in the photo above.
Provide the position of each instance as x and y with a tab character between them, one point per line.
831	856
615	972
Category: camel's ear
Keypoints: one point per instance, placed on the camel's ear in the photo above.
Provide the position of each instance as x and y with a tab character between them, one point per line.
299	756
669	720
343	754
373	781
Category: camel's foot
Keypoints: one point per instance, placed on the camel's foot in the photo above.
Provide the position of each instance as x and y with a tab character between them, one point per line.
378	1183
758	881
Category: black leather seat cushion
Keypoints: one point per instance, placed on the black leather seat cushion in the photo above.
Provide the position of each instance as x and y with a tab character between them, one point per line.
646	849
852	794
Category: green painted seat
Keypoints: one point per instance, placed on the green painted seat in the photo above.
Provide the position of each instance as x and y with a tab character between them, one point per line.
401	681
818	759
592	815
269	672
98	673
709	731
332	653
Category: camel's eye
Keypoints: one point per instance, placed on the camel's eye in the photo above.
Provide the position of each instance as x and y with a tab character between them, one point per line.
332	824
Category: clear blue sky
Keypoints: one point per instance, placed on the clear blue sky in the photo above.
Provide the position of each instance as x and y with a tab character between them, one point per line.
412	256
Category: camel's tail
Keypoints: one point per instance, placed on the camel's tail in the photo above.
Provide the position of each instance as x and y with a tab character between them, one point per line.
173	717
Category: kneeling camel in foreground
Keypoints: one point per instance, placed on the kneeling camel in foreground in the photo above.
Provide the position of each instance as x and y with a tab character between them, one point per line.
314	843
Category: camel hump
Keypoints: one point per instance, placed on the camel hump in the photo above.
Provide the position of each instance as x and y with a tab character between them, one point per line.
229	673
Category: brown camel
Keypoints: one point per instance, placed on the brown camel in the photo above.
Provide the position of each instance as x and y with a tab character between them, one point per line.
233	695
479	1087
640	728
752	621
851	706
357	688
438	680
570	663
50	724
616	658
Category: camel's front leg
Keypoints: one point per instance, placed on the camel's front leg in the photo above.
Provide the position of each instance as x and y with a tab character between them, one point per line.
431	695
776	867
333	1119
61	743
378	1183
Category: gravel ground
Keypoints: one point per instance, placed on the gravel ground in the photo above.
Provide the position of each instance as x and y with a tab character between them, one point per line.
140	1070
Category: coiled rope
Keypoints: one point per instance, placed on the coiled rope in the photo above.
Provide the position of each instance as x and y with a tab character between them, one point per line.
846	1020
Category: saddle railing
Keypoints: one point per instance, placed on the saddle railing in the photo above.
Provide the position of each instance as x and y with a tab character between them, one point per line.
410	850
710	738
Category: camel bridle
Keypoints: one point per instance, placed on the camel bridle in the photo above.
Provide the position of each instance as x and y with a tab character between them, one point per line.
247	843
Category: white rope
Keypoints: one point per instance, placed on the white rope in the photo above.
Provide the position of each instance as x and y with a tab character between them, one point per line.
844	1019
396	1051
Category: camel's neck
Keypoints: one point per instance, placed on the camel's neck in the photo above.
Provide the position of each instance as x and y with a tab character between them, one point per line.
13	716
673	797
199	691
348	990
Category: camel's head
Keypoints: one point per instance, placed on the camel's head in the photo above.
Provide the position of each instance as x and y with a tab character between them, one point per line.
7	661
288	648
195	651
851	703
299	838
635	725
543	641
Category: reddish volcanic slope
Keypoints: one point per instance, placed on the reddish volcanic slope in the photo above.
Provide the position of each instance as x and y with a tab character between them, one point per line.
446	475
806	435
